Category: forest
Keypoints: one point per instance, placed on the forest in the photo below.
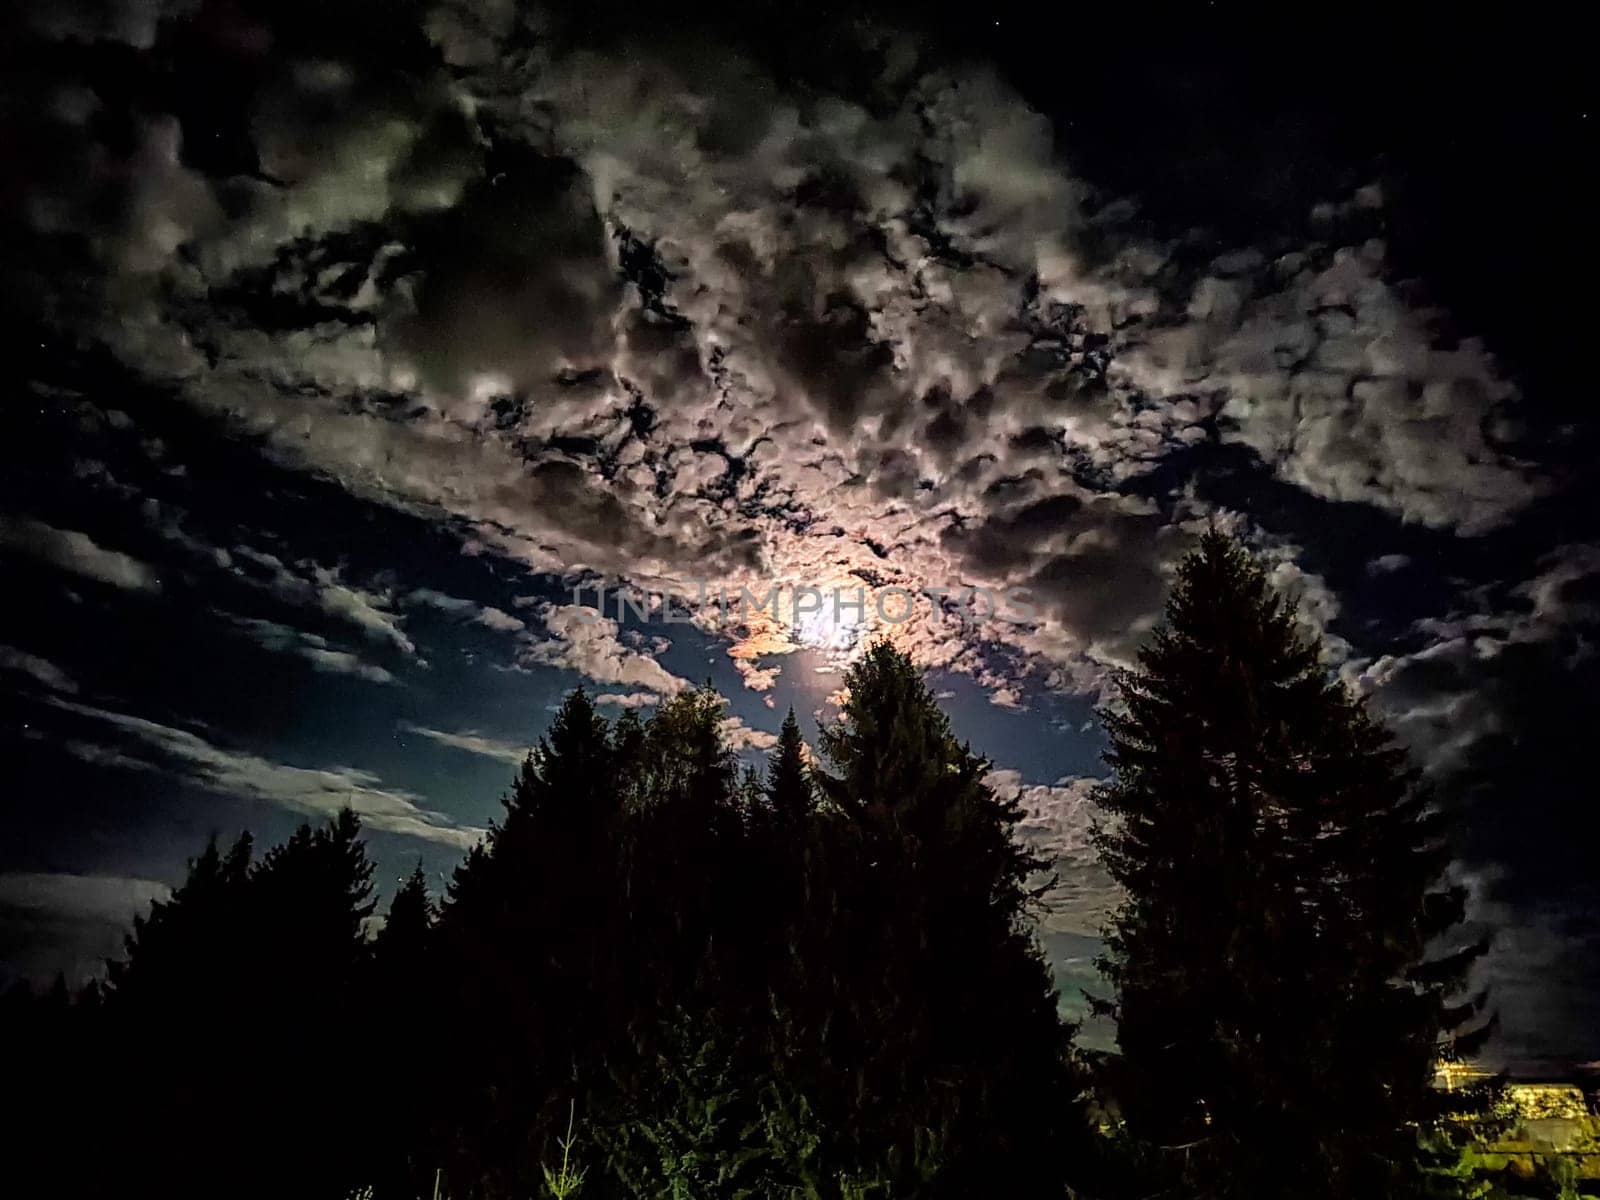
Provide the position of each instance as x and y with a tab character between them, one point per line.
664	976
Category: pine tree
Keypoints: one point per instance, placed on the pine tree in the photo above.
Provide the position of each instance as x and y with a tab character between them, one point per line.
176	952
789	789
401	945
310	899
693	1128
268	955
402	995
1278	1016
940	1015
178	993
526	942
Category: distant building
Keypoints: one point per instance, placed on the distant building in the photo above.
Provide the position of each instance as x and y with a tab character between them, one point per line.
1544	1123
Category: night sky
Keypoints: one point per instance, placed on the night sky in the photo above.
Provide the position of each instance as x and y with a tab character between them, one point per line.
347	339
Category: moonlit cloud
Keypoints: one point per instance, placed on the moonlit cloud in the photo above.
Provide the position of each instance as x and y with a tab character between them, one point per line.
113	898
706	328
303	584
741	737
361	609
500	620
41	670
1056	823
627	699
77	553
313	792
581	639
486	615
311	647
472	743
949	379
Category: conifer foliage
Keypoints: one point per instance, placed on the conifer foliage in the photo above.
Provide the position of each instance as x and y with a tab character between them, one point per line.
665	975
1288	964
940	1004
661	977
788	785
779	990
220	1025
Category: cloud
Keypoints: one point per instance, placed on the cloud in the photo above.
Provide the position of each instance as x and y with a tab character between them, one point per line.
1387	563
740	737
315	792
1538	970
70	923
520	287
1342	386
582	640
1056	823
112	898
308	584
483	614
454	605
499	619
700	325
1316	606
737	735
312	647
1056	817
471	742
77	553
302	584
362	609
40	670
342	662
1463	685
627	699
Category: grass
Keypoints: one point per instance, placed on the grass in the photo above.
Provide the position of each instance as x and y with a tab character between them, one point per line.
560	1184
568	1180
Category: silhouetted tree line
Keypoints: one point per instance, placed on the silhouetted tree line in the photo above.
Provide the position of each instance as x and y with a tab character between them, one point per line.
817	984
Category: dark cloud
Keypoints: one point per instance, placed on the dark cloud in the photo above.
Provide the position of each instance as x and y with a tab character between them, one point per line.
594	301
53	921
77	553
515	288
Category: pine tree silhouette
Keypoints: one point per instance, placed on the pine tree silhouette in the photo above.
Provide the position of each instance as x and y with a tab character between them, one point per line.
401	945
190	940
230	1013
788	786
402	997
1278	1015
527	943
738	988
942	1039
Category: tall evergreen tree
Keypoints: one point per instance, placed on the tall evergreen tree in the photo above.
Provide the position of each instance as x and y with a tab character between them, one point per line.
697	931
310	899
939	1016
1278	1012
402	987
183	980
233	1006
789	789
526	944
189	943
402	943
